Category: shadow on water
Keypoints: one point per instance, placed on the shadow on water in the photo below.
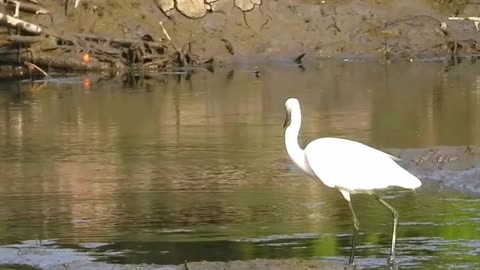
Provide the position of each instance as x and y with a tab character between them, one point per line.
163	168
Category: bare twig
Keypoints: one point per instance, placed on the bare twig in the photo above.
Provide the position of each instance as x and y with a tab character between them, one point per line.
165	32
31	65
17	9
75	5
180	54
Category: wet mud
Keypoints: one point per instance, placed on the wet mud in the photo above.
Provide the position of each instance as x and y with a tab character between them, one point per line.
444	168
45	258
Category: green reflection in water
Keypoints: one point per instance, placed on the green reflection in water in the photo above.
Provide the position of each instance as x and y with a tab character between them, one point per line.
198	169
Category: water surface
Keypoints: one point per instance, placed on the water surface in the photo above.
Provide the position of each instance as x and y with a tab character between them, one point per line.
166	168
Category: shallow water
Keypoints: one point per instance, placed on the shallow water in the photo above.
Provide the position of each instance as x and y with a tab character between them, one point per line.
167	168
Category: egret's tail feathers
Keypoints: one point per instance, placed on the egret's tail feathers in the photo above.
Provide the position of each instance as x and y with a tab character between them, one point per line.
411	182
394	158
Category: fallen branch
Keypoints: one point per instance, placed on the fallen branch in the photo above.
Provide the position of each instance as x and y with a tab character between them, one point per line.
31	65
68	51
31	8
464	18
65	63
118	41
24	40
17	9
23	25
475	20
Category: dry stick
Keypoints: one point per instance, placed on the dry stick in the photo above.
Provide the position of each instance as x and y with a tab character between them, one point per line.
36	67
31	8
17	9
181	55
25	26
24	40
75	5
118	41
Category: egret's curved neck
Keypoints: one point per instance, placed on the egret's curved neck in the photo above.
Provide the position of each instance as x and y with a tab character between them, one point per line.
291	140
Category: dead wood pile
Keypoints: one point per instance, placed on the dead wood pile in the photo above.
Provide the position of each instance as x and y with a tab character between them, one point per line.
23	42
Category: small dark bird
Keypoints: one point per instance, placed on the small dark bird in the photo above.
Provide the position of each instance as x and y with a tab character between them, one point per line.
257	72
228	45
299	59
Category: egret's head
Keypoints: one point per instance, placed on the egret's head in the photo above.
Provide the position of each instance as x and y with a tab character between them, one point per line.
290	105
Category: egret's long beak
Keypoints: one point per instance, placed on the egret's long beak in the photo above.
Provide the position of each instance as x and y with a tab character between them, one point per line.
287	120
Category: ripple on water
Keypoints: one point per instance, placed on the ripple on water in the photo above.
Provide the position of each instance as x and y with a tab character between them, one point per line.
94	245
416	223
173	231
277	237
281	244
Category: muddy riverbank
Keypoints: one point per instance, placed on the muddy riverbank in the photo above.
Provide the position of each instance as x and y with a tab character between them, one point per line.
227	31
445	168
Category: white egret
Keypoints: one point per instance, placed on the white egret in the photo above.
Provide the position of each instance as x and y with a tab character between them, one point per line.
349	166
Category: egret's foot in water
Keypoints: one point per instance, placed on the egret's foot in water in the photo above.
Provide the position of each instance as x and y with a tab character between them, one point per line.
350	266
392	263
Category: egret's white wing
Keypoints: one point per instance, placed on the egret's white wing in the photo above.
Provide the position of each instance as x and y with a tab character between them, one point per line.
354	166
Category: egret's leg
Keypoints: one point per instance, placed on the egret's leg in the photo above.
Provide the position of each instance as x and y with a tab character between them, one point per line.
356	227
394	230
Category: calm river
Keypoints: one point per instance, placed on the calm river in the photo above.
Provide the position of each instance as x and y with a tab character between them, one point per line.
166	168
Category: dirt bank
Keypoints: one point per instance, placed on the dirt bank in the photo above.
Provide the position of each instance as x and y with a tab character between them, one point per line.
282	30
253	31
